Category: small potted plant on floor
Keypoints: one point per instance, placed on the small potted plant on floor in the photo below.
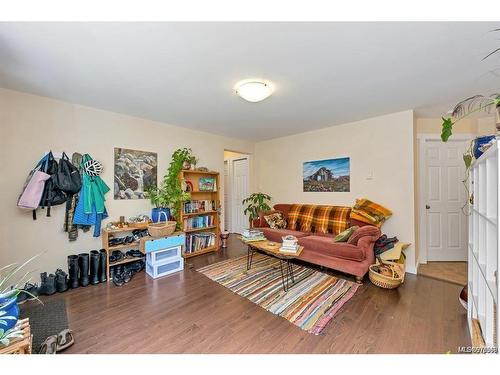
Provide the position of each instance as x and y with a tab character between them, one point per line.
256	203
10	287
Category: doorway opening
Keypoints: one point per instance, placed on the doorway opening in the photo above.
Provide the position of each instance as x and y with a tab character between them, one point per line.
443	218
236	188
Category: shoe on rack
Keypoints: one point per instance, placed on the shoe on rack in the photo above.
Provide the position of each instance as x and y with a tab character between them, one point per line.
48	284
134	254
61	281
28	293
135	267
115	256
126	276
118	280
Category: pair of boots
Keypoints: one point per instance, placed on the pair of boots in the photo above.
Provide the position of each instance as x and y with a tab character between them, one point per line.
53	283
78	266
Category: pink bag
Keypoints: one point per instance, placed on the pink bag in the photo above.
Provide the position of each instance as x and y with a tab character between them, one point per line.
33	189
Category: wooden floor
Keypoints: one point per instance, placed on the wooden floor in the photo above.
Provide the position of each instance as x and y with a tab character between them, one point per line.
188	313
453	272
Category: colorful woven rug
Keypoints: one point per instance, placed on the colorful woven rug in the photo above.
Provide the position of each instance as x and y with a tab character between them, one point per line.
310	303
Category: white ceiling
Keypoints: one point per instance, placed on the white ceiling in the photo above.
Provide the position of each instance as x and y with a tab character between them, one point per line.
183	73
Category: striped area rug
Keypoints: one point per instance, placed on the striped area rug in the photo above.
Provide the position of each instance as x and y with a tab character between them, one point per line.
310	303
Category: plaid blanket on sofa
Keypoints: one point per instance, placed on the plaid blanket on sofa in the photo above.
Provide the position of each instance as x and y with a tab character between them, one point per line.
370	212
318	219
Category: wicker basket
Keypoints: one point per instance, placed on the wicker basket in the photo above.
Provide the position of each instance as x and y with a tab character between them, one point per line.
383	281
163	228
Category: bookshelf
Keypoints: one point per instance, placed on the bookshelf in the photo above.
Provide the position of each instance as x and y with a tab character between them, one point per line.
199	216
484	249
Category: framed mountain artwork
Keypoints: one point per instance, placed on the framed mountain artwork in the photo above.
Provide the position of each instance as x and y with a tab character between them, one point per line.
330	175
135	171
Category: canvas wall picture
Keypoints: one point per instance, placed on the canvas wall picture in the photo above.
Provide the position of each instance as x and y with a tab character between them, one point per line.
135	171
327	175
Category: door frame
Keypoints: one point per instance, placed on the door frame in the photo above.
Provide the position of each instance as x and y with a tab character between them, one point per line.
422	220
232	200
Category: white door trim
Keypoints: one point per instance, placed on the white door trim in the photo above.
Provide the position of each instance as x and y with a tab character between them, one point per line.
421	139
231	187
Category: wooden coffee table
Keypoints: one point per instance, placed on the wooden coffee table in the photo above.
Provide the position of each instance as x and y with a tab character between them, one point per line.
273	249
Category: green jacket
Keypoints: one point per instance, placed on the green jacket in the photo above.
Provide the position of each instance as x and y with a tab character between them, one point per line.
95	188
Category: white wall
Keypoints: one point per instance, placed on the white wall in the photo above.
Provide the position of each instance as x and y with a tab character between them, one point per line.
31	125
381	146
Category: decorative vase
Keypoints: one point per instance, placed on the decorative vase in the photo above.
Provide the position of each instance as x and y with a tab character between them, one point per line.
155	214
224	236
9	310
186	165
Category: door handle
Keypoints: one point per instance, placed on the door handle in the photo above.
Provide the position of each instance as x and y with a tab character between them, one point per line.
427	206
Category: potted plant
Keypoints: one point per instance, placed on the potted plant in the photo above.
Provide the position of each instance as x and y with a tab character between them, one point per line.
160	203
10	287
169	196
255	203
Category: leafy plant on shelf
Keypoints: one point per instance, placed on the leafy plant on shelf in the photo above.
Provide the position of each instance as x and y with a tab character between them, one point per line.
169	193
255	203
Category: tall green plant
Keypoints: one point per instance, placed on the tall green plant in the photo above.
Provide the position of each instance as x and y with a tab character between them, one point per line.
169	193
255	203
171	182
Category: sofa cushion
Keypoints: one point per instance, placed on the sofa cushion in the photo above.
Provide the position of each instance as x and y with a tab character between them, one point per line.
366	231
276	234
325	246
276	220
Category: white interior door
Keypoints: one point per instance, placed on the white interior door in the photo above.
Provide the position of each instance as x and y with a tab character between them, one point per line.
445	195
240	190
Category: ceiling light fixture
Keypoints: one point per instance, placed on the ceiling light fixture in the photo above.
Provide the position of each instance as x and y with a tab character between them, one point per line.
254	90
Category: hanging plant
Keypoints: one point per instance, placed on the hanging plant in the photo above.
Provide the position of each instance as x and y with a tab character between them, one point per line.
476	103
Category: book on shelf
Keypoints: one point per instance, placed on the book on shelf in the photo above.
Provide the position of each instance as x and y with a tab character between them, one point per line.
198	222
199	241
199	206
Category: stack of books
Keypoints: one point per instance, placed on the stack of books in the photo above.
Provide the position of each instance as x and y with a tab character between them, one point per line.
289	245
252	235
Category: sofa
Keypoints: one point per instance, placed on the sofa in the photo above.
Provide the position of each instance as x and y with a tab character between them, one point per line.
352	257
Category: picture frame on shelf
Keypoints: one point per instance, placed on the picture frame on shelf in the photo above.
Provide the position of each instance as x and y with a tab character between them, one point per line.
206	184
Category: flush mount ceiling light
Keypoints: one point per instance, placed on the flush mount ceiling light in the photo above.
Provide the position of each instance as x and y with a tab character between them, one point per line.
254	90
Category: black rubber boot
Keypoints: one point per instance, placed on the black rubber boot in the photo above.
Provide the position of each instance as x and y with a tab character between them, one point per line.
83	264
103	258
61	281
94	267
48	285
73	271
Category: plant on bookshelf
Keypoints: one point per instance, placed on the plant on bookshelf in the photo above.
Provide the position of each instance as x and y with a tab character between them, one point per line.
170	193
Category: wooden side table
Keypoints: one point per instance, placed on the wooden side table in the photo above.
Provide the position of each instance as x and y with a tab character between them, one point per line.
21	345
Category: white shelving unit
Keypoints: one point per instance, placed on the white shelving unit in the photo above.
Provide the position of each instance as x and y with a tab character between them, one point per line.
483	246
